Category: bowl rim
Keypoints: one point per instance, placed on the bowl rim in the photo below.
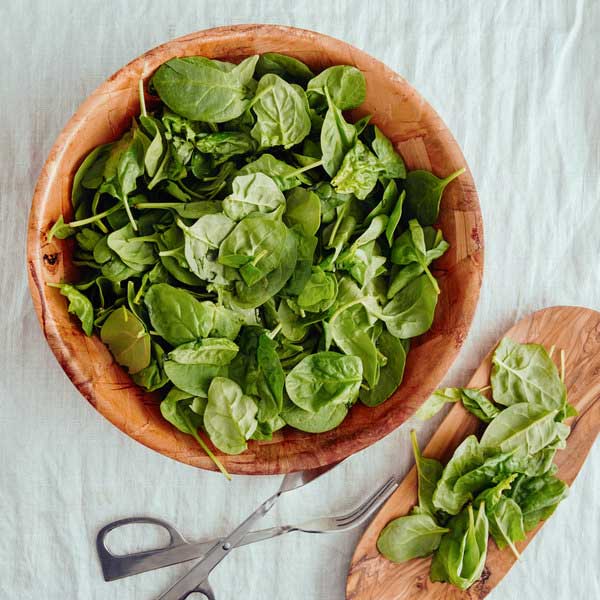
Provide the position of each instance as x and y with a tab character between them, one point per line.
36	241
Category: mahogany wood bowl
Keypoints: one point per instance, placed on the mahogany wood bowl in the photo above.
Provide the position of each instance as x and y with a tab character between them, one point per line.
424	142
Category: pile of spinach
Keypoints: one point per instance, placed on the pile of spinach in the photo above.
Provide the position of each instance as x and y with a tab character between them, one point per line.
503	484
251	253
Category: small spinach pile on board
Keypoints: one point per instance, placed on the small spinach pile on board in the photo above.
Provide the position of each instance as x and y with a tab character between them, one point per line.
503	484
251	253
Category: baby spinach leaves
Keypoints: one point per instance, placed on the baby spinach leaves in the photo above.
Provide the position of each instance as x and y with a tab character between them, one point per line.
200	89
424	192
507	476
281	110
244	250
324	378
410	537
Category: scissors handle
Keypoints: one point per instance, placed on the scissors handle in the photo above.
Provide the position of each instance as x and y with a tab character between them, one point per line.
196	580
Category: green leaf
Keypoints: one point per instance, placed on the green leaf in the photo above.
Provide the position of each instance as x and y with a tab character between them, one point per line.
287	67
319	293
436	402
410	312
526	373
324	378
424	193
410	537
522	428
256	192
538	497
304	210
461	555
337	138
391	161
325	419
394	219
230	416
345	84
79	305
282	117
127	339
210	351
196	88
176	315
429	472
285	176
476	403
358	172
390	375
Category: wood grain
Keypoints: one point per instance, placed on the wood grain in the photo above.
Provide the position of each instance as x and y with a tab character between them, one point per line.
418	133
576	331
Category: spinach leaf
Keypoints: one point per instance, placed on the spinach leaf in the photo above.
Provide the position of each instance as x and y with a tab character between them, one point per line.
345	84
230	416
127	339
255	246
210	351
461	555
79	305
350	332
196	88
390	374
468	456
325	419
282	117
324	378
225	144
193	378
319	293
538	497
525	373
424	192
410	312
176	315
152	377
202	240
358	172
391	161
303	209
410	537
429	472
436	402
337	138
256	192
476	403
522	428
177	409
287	67
253	295
132	252
284	175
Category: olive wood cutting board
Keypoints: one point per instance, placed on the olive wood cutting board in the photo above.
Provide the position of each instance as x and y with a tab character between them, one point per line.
573	329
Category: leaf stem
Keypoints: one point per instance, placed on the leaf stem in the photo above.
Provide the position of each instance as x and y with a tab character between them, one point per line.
454	175
317	163
273	334
129	215
95	218
562	365
204	447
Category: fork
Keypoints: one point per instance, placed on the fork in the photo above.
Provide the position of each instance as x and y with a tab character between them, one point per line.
180	550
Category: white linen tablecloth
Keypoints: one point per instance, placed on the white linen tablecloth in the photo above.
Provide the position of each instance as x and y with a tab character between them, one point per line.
518	82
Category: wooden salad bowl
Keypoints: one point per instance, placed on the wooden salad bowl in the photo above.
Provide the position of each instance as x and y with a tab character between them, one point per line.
419	135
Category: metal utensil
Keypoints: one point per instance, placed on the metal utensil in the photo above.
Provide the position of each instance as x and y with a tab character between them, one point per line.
196	580
180	550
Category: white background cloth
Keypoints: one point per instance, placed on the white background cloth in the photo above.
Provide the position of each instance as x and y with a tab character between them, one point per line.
518	84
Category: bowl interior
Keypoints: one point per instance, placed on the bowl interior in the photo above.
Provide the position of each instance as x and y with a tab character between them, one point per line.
419	135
